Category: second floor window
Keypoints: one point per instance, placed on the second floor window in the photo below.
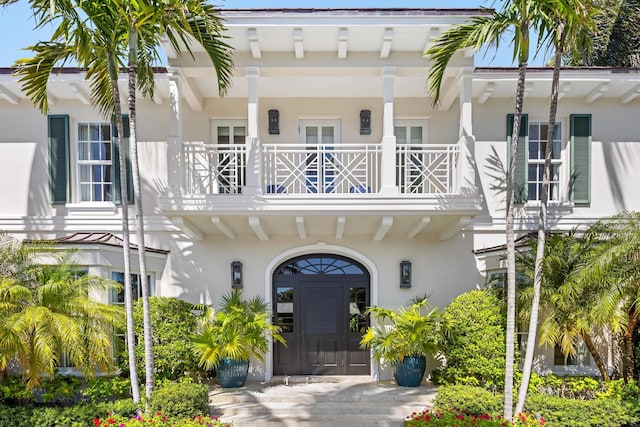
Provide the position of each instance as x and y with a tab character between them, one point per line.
94	162
535	161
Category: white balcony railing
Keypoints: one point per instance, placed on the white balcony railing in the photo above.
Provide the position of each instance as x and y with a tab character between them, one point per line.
320	168
426	169
214	168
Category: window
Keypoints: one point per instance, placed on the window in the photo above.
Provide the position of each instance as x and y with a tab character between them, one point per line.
117	295
230	162
94	162
535	161
582	357
84	166
410	158
571	163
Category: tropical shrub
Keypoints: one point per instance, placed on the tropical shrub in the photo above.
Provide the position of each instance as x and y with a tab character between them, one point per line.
158	420
605	411
180	399
80	415
561	412
64	390
238	331
468	399
474	341
461	419
408	331
47	313
172	322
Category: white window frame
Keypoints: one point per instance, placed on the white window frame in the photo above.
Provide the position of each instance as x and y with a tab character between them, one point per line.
230	123
77	163
408	124
562	162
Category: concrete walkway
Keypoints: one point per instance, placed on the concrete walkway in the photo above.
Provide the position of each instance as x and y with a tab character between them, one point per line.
319	401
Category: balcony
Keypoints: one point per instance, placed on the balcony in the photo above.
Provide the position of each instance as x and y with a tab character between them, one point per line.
375	188
320	169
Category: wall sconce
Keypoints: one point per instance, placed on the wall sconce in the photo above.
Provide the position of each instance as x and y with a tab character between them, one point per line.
274	122
405	274
365	122
236	275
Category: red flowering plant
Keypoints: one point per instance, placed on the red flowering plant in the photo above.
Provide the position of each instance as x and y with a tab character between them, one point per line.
460	419
158	420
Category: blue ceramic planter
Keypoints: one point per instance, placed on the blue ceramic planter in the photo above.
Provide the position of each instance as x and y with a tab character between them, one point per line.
232	373
410	371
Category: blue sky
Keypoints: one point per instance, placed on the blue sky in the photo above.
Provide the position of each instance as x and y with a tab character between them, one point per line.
16	23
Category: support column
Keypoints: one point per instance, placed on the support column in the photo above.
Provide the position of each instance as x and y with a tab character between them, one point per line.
252	186
466	173
175	161
388	160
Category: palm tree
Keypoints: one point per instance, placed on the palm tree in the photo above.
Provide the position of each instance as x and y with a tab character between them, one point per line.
615	263
568	26
54	315
121	23
616	41
567	303
94	47
146	25
518	17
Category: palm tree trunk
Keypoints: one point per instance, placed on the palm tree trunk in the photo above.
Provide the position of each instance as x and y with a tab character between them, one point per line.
627	342
542	225
144	281
596	356
128	302
511	252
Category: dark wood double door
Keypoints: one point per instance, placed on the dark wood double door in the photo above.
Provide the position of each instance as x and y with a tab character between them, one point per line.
321	312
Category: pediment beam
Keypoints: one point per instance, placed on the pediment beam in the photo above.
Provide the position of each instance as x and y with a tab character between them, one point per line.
418	227
188	228
258	230
223	227
387	38
454	228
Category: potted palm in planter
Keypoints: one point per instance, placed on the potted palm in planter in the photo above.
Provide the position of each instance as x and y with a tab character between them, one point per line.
404	338
227	338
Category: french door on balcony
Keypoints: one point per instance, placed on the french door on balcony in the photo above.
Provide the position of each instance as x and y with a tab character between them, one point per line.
230	136
411	159
319	136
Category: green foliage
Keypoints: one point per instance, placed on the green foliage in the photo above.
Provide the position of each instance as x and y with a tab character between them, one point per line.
471	400
603	411
406	332
103	388
628	393
461	419
474	341
47	312
566	386
180	399
561	412
81	415
172	321
237	331
159	419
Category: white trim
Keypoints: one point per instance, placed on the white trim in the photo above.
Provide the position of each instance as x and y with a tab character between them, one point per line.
329	122
311	249
413	122
230	123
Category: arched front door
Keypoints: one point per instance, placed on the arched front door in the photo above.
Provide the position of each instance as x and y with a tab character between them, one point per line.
319	301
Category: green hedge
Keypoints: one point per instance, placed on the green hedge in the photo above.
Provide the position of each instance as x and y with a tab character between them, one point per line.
81	415
471	400
180	400
558	412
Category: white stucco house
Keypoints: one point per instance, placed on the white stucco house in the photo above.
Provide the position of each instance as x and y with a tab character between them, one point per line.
324	180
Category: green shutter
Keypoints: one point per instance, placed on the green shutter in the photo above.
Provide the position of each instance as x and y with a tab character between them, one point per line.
115	158
520	188
580	183
58	133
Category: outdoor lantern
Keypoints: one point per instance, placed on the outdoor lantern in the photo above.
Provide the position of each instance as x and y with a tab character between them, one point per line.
405	274
236	275
365	122
274	122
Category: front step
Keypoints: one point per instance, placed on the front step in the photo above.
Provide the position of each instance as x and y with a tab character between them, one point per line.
315	401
